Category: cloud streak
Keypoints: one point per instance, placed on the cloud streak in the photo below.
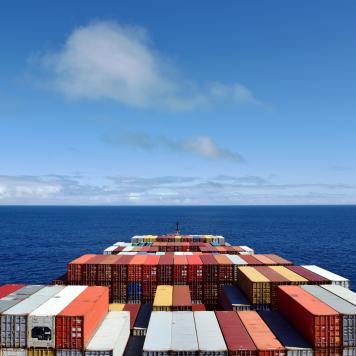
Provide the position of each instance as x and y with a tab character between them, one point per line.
168	190
105	60
201	146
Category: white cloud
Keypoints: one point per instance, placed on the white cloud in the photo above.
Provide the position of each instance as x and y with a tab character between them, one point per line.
105	60
202	146
170	190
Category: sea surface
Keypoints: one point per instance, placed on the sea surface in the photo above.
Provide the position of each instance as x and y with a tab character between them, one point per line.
37	242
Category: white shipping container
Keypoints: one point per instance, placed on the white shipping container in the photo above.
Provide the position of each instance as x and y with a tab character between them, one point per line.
69	352
109	250
159	334
128	253
236	260
128	249
333	277
112	335
122	243
247	250
210	338
341	292
42	321
14	320
13	352
184	336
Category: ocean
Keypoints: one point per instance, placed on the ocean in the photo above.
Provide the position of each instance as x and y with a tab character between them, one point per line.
36	243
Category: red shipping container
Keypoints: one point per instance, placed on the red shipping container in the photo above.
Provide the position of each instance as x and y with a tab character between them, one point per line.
105	268
90	270
165	269
225	269
265	341
195	278
278	259
148	291
150	268
76	323
252	261
238	249
119	269
238	340
316	321
180	270
210	269
133	309
265	260
118	292
181	298
210	294
74	268
134	270
7	289
309	275
198	307
117	250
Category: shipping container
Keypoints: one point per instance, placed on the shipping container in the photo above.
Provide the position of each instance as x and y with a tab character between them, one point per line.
76	323
134	346
165	269
316	321
195	278
163	298
41	352
278	259
13	352
18	296
133	310
9	288
247	250
41	322
293	277
232	298
251	260
134	270
333	277
237	262
265	341
342	292
159	334
225	269
265	260
347	311
184	336
181	299
309	275
14	320
111	337
254	285
116	307
89	270
210	338
294	343
350	351
142	320
180	270
69	352
198	307
238	340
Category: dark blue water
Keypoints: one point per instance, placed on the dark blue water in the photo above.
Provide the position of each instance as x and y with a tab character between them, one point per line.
37	242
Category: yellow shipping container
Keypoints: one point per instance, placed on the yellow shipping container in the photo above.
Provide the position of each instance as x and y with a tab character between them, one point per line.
40	352
116	307
254	284
293	277
163	298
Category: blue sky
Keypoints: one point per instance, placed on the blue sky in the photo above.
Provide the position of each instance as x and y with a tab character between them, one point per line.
189	103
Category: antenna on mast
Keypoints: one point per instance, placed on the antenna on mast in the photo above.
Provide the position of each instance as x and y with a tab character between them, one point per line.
177	227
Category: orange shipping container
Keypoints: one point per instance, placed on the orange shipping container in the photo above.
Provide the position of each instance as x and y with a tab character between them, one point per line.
76	323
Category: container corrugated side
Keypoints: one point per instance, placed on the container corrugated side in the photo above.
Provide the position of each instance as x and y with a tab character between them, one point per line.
342	292
294	343
333	277
238	340
42	321
69	352
210	338
40	352
232	298
184	337
13	352
14	320
260	333
159	334
112	335
347	310
18	296
163	298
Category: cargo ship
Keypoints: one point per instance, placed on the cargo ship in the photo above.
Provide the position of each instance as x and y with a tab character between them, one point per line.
180	294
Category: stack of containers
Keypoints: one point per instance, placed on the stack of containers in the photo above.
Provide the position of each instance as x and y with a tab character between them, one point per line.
341	292
344	308
255	286
89	270
238	340
119	279
237	261
180	270
133	309
265	341
14	320
211	277
231	298
265	260
74	269
195	278
316	321
332	277
312	277
210	338
181	299
42	321
163	298
225	270
142	320
111	337
293	342
184	338
159	334
149	278
134	279
165	269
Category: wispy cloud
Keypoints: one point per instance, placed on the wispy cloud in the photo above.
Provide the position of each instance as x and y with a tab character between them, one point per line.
105	60
202	146
168	190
